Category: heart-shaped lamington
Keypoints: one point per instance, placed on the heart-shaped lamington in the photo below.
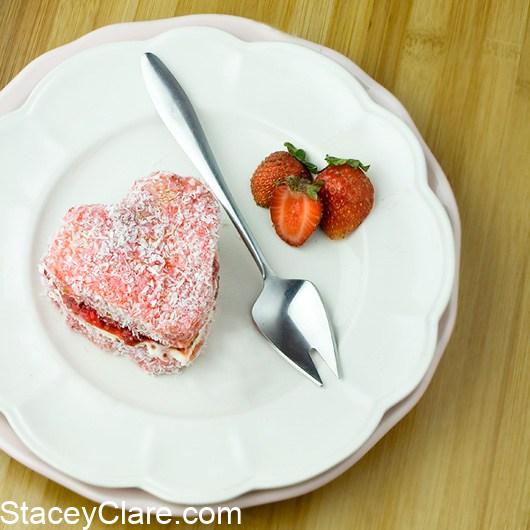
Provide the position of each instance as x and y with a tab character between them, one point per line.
140	277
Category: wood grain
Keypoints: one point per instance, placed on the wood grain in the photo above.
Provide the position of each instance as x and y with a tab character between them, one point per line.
461	459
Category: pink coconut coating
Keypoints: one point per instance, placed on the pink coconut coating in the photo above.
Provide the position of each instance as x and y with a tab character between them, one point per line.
149	262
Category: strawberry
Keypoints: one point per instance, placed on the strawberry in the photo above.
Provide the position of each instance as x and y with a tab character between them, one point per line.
347	196
276	167
296	209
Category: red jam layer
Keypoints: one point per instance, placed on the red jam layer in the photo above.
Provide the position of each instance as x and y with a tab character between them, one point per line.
91	316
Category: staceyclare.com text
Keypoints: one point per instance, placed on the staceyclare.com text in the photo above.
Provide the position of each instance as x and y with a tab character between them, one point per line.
112	513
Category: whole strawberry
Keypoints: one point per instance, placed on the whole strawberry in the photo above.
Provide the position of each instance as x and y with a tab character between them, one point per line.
296	209
275	167
347	196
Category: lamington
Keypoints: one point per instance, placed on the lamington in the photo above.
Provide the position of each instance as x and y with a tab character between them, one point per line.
140	277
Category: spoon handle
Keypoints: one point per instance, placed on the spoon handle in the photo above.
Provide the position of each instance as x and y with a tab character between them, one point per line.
177	112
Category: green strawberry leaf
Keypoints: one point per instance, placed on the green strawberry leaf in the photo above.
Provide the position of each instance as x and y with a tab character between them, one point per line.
310	188
354	163
300	155
313	188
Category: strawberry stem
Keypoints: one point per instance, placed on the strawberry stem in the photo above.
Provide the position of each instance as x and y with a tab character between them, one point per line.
309	188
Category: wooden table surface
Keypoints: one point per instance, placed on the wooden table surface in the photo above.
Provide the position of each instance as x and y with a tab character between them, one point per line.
461	458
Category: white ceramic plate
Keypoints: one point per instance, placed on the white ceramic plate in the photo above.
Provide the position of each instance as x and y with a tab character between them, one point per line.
240	418
17	91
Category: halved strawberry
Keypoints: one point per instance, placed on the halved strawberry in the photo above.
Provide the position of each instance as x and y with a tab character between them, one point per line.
296	209
276	167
